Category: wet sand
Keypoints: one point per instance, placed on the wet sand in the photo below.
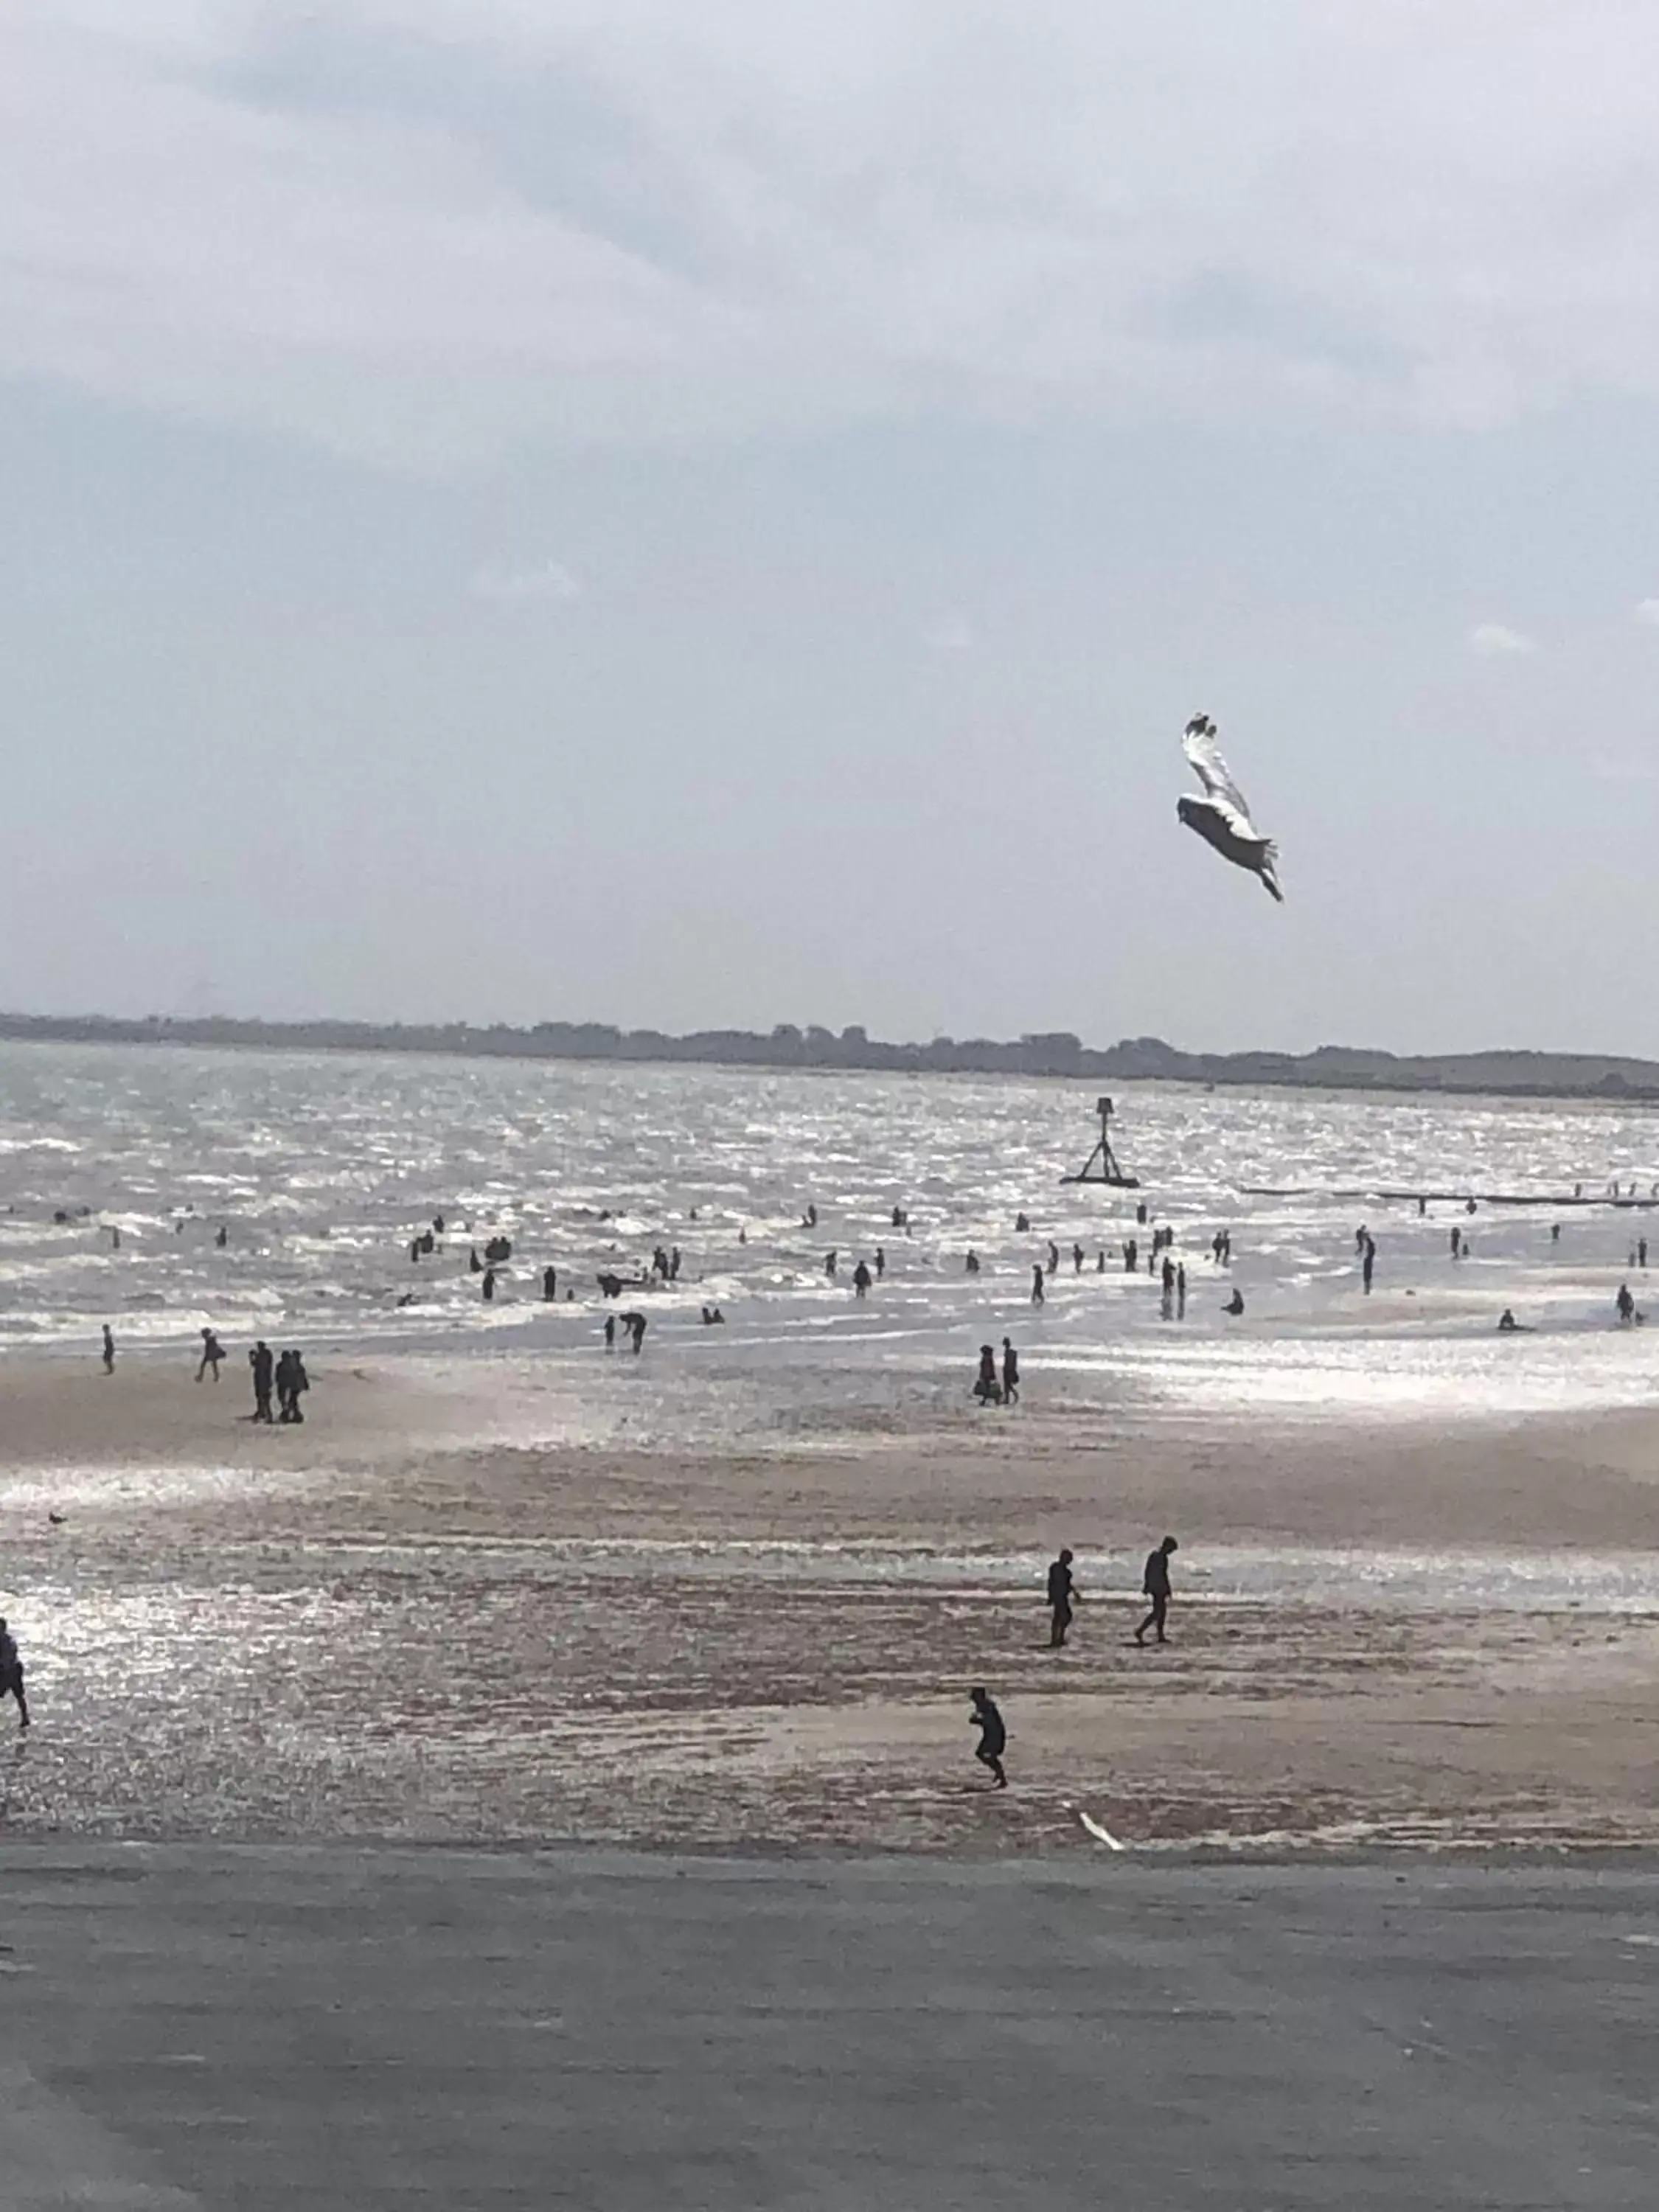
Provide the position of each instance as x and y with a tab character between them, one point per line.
377	1625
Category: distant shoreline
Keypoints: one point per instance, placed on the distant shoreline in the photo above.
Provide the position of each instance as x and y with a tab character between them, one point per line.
1055	1054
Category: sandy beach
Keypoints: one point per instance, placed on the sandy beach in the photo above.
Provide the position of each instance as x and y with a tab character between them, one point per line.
378	1625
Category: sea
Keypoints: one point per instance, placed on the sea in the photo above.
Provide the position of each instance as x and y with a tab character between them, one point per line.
120	1166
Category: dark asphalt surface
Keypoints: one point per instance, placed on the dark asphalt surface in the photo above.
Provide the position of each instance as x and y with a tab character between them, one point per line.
254	2027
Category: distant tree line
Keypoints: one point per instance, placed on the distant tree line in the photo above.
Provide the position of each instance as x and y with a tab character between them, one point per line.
1047	1053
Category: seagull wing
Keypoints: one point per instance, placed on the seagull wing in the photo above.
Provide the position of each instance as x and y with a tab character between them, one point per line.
1202	749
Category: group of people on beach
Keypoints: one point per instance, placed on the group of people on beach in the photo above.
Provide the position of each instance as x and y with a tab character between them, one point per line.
282	1376
984	1712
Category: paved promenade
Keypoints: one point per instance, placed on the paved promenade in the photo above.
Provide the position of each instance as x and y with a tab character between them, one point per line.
186	2027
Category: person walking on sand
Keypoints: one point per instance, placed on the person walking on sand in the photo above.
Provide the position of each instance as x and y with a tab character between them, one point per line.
988	1389
1155	1584
1059	1600
109	1350
212	1352
1010	1374
11	1674
993	1735
263	1366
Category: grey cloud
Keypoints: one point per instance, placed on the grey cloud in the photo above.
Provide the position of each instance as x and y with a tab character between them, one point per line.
833	215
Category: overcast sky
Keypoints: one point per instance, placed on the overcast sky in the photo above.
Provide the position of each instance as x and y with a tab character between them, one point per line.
718	514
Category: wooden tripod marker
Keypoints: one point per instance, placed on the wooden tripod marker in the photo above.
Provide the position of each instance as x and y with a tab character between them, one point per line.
1108	1171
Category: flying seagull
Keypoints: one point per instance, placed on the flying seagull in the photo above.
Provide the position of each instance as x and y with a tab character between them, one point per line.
1221	818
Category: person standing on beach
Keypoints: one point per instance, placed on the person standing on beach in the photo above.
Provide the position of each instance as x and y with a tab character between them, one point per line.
1059	1600
1037	1285
881	1264
260	1361
1054	1257
488	1285
861	1280
993	1735
11	1674
1155	1584
212	1352
1181	1292
1010	1374
1368	1262
610	1332
109	1350
549	1283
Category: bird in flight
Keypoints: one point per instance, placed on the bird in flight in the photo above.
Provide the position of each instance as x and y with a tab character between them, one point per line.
1222	817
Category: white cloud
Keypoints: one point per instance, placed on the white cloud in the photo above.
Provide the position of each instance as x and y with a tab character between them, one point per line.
1647	612
426	230
515	587
1494	641
951	632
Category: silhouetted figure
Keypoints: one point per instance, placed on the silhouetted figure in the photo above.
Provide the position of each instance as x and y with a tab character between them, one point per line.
1054	1257
1456	1244
291	1383
810	1218
1359	1239
1036	1287
898	1216
1368	1262
212	1352
972	1263
1180	1293
713	1317
862	1278
1626	1304
610	1332
1010	1374
488	1285
993	1735
1100	1261
1140	1213
1022	1225
636	1323
109	1350
829	1263
1155	1584
223	1237
1166	1304
1077	1259
474	1264
11	1674
259	1359
881	1263
1131	1257
1422	1207
549	1283
1641	1251
415	1251
1507	1323
438	1224
1059	1600
1468	1206
1235	1304
1555	1232
987	1388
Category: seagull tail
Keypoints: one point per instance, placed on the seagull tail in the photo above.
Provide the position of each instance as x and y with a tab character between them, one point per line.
1269	863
